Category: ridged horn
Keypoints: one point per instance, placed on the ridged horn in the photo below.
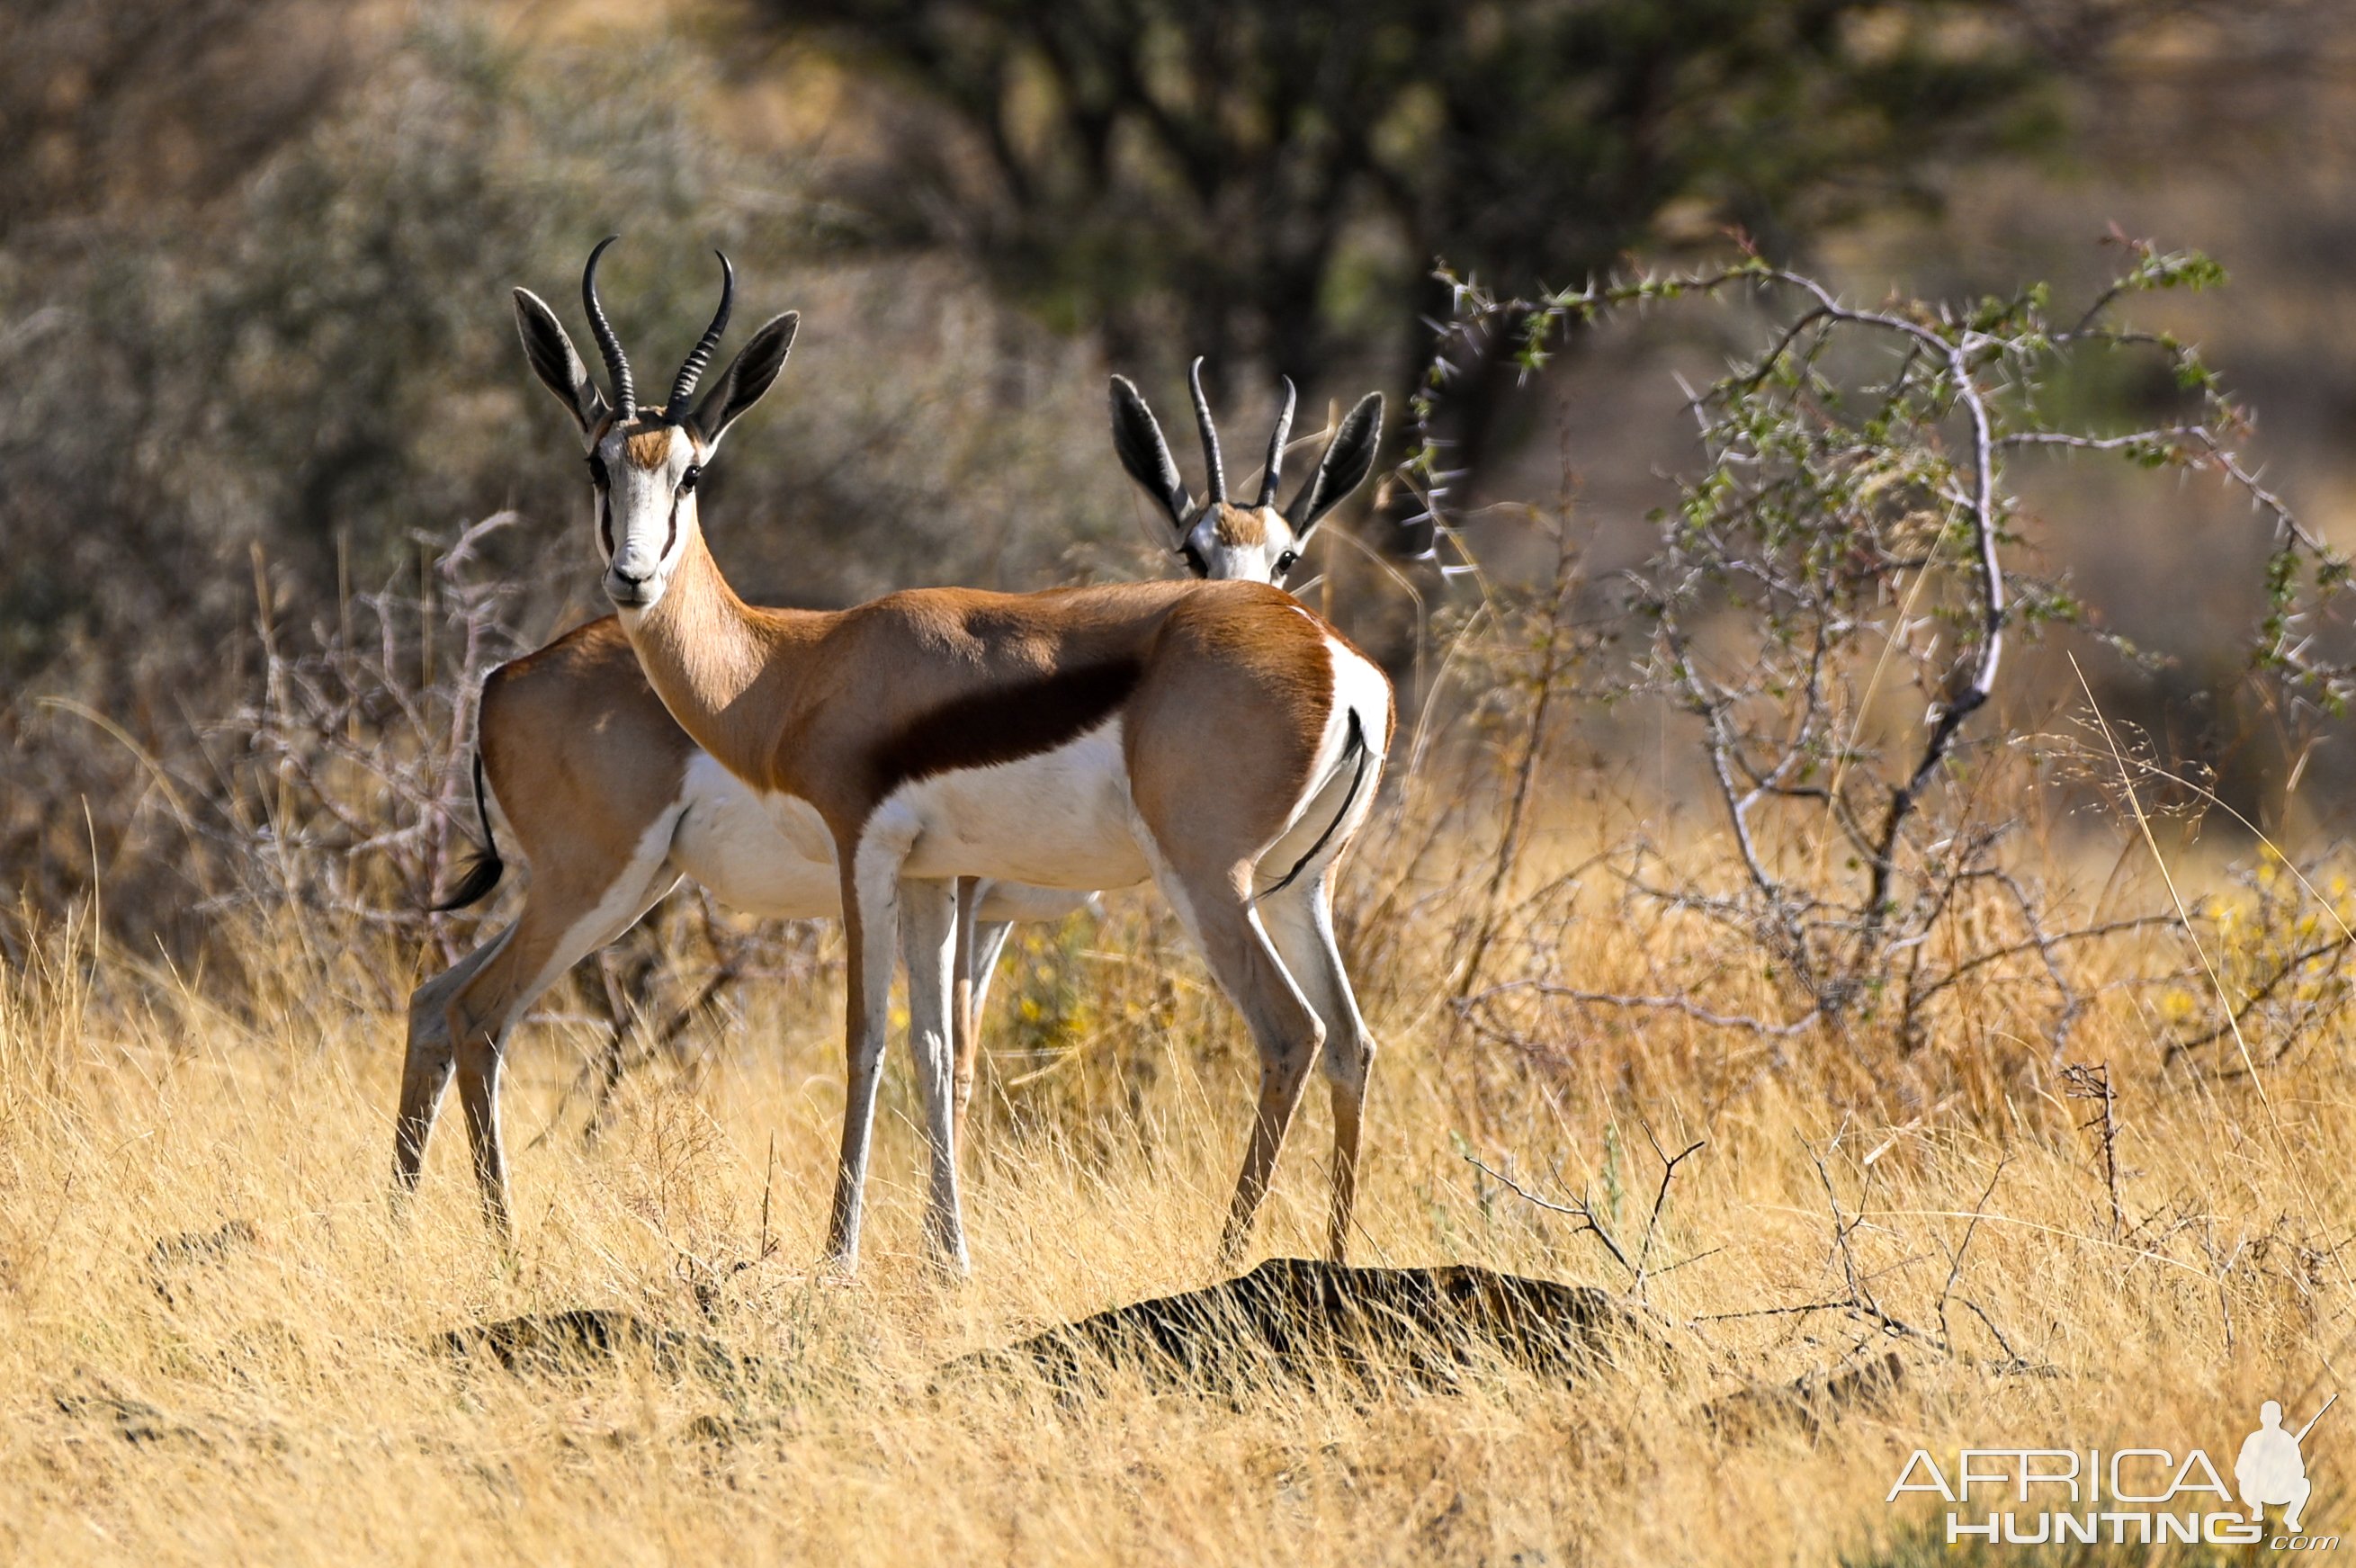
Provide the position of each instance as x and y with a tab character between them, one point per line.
1276	446
617	364
1216	476
693	371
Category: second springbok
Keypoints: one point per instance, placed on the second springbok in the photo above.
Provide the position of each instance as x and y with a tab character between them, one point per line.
1216	738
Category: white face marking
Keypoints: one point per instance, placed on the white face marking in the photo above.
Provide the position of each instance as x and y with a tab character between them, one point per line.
645	516
1269	561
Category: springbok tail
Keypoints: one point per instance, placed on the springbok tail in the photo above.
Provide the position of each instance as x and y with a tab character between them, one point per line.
484	868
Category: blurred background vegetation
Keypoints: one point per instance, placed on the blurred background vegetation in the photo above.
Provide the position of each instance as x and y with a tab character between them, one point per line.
255	257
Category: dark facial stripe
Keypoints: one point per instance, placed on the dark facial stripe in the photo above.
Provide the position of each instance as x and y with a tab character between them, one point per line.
1006	725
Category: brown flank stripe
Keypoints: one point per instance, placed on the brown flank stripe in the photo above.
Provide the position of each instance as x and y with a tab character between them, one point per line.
983	729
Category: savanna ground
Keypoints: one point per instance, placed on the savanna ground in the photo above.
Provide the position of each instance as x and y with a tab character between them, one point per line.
276	1396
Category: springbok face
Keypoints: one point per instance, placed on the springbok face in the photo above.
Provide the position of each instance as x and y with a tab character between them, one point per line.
645	463
1218	538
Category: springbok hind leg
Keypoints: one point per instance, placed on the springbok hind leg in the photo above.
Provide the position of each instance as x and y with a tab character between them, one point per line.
551	935
1284	1027
1299	920
978	943
990	945
427	1062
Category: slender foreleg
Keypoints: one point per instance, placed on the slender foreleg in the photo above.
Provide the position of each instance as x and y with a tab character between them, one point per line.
871	919
927	928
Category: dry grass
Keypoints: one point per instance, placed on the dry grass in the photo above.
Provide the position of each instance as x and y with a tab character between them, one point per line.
280	1402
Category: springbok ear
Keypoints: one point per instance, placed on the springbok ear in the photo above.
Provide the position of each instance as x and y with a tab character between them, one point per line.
1349	458
1137	437
748	378
553	361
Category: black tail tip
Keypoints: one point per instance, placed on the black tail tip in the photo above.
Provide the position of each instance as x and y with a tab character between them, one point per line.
483	873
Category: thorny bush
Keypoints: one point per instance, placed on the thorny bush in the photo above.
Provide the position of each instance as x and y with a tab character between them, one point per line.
1829	604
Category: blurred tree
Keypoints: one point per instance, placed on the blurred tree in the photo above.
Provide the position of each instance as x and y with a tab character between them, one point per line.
145	100
1273	177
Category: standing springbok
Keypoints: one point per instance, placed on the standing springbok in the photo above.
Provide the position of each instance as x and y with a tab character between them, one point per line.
1217	737
612	805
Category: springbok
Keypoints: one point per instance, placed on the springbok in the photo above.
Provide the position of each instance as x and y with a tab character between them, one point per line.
614	805
1248	544
1217	737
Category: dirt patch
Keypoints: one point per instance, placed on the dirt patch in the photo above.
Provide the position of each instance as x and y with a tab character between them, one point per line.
569	1342
171	1261
1294	1319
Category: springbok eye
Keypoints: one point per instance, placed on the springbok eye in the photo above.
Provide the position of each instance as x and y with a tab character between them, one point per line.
1195	561
1284	563
687	481
597	469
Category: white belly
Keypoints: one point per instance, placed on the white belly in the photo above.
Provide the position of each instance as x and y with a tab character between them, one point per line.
772	856
766	856
1062	819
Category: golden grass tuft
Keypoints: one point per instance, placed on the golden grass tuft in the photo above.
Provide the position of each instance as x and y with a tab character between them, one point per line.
274	1397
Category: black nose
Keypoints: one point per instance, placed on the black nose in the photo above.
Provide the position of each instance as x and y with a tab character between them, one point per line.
623	576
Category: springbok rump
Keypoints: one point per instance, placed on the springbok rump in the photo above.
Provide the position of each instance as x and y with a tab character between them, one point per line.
1217	737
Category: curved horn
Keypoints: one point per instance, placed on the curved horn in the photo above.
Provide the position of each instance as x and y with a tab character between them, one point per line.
1216	476
617	364
1276	446
691	372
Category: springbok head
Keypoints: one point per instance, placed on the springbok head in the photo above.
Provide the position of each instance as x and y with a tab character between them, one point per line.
645	461
1218	538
